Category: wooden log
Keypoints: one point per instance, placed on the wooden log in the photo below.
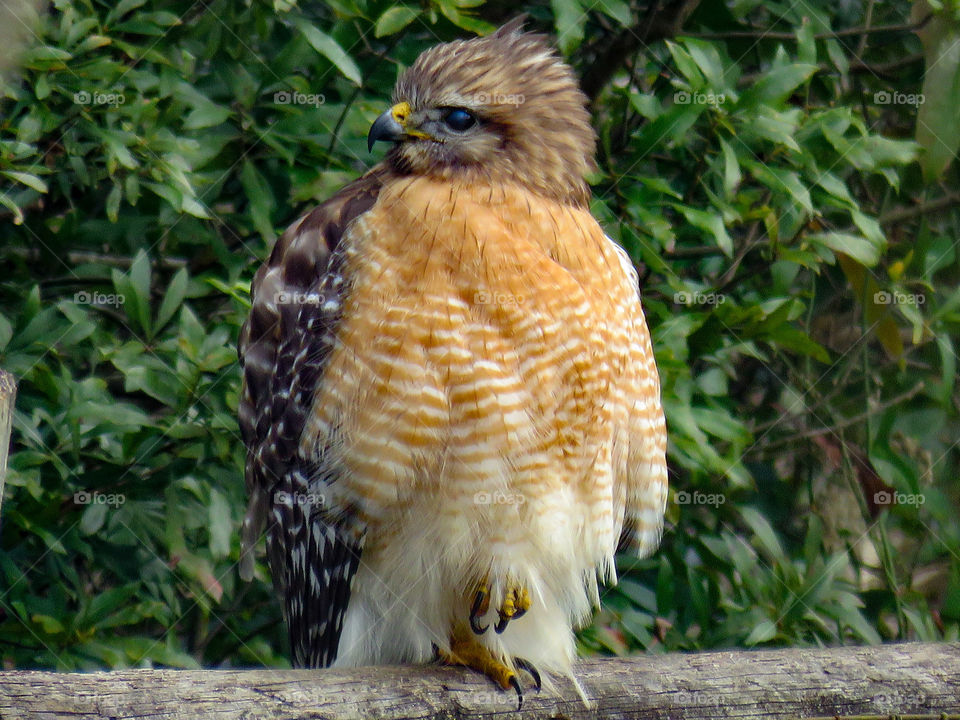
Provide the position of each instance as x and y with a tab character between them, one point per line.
914	680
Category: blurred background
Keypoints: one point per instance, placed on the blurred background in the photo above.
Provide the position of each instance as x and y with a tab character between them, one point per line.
782	173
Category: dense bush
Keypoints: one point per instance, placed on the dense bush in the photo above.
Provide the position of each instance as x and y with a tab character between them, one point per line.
781	174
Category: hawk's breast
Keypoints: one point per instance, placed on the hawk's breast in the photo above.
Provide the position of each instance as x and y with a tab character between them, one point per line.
489	344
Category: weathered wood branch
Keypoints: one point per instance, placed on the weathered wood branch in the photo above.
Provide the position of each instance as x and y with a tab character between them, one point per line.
917	680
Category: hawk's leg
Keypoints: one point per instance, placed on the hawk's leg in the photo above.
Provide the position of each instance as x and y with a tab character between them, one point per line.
516	601
466	650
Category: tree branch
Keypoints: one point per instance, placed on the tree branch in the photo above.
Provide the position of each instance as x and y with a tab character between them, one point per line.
908	213
918	678
664	20
832	35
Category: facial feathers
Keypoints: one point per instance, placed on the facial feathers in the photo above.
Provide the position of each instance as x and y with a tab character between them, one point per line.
531	124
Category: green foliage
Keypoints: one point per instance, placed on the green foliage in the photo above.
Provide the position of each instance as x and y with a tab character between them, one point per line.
784	190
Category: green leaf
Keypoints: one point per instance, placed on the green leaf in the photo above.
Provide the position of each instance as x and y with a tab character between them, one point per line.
938	116
856	246
113	202
140	278
108	602
6	332
806	42
660	185
172	299
49	625
12	207
731	170
122	8
330	49
192	206
777	85
261	200
394	20
27	179
451	11
686	65
569	20
782	181
713	67
619	10
838	57
133	291
45	57
835	187
221	524
709	222
884	152
762	632
93	518
92	42
767	539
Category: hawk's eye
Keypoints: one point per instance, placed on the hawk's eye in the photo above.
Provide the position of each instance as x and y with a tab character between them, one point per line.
459	120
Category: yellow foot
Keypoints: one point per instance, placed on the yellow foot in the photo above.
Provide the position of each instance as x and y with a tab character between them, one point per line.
516	601
468	651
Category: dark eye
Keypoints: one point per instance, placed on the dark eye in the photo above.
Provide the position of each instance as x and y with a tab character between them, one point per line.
458	119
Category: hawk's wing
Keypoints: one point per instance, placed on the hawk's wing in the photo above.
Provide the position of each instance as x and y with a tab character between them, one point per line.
645	476
284	346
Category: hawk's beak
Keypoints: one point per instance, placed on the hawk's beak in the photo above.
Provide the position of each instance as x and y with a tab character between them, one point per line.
392	126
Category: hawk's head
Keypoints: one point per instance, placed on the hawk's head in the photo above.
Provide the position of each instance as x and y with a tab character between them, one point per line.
502	108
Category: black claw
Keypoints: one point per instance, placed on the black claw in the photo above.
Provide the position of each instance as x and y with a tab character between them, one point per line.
502	623
477	628
531	670
519	613
515	684
475	613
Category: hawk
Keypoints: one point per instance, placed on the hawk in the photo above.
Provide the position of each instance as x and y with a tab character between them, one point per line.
450	404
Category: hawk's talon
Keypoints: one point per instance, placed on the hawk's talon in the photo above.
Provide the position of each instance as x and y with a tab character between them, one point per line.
481	603
515	684
515	604
476	627
531	670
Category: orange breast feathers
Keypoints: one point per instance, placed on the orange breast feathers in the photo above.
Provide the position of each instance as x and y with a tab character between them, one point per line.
484	328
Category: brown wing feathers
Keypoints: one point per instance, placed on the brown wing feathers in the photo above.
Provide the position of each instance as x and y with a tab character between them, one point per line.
296	305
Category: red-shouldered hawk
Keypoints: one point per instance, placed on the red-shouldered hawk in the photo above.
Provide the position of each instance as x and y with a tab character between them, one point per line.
450	402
